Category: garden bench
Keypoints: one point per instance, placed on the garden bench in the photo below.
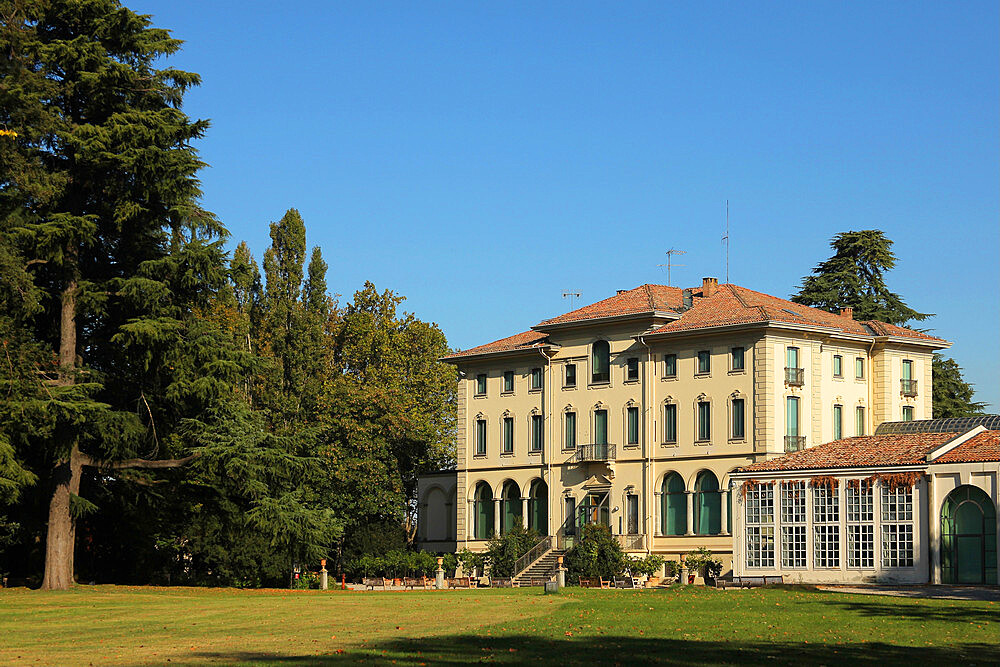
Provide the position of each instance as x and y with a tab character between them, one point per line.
606	583
536	581
372	583
413	582
460	582
501	582
584	583
626	582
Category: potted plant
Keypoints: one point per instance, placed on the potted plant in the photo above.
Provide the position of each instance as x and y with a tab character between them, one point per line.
647	566
701	561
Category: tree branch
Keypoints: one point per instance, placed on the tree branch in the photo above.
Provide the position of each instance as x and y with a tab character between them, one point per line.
143	463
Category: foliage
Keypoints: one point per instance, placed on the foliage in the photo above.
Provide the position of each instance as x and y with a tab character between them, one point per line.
472	560
596	554
702	560
502	551
672	568
395	564
952	395
648	565
854	277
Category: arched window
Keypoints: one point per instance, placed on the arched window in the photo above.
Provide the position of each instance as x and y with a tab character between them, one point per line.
673	506
483	511
538	507
600	362
707	504
510	507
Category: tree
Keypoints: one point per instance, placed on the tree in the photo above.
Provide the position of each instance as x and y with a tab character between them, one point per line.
99	192
502	551
596	554
952	394
854	277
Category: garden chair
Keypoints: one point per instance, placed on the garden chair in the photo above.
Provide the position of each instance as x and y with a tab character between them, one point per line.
584	583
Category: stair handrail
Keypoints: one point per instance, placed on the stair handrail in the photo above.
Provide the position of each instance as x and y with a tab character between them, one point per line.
533	554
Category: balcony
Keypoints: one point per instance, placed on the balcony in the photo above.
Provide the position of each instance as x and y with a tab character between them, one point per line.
909	387
795	377
794	443
599	452
632	542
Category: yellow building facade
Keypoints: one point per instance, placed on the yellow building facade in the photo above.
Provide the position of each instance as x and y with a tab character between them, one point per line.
634	411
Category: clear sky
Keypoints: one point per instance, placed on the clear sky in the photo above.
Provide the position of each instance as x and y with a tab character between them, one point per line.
483	158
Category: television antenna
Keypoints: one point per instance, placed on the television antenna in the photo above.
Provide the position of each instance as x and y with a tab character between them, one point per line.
572	295
670	263
725	240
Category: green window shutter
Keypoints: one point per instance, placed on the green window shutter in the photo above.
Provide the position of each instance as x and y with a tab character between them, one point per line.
792	416
633	426
673	506
859	368
838	366
537	433
738	358
739	421
481	384
670	365
792	357
704	362
600	427
670	422
508	381
601	361
704	421
708	505
907	369
570	430
907	413
570	375
481	437
508	435
859	419
838	422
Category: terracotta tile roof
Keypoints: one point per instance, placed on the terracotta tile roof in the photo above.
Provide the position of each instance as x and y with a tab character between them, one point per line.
524	340
732	304
983	446
862	451
641	300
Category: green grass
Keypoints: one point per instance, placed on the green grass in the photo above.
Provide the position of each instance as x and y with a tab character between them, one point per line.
109	625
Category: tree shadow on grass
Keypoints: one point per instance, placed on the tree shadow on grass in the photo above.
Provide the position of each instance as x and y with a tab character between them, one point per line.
956	613
619	650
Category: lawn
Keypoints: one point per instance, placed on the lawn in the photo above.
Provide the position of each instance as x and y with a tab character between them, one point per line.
109	625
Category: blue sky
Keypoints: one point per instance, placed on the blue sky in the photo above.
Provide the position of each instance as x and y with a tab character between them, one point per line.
482	158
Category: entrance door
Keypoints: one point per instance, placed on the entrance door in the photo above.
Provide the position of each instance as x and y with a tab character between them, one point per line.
968	537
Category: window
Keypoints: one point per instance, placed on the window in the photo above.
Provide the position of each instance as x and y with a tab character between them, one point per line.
704	362
793	441
569	522
907	413
483	528
907	369
481	384
508	435
909	385
859	368
838	366
704	421
632	514
793	524
670	365
670	422
707	504
737	360
739	420
537	433
480	437
897	527
569	441
601	362
632	417
536	378
600	427
508	381
792	357
760	526
838	422
859	421
860	525
673	506
826	527
570	375
632	369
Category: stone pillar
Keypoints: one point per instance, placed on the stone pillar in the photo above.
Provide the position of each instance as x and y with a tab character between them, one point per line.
933	529
496	515
323	582
724	527
689	496
684	569
561	574
524	513
657	508
439	574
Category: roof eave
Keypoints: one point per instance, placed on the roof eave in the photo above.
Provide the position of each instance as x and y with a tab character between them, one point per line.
849	470
496	353
648	314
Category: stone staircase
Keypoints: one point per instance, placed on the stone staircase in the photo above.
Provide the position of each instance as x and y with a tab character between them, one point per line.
542	568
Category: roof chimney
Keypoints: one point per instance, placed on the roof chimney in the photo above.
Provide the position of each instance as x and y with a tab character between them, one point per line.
687	298
708	286
847	312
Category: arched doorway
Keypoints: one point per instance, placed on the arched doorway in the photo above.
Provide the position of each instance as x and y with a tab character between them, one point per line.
968	537
510	507
483	511
673	510
708	504
538	507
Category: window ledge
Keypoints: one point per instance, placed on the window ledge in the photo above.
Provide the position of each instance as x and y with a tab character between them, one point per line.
567	387
534	452
507	455
738	371
535	391
479	457
703	443
737	440
506	393
672	444
634	445
479	395
668	378
636	381
703	375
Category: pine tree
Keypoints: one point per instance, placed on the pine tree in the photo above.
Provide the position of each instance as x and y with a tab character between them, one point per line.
99	192
854	277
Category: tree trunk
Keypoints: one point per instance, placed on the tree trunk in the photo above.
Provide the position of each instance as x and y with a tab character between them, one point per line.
61	539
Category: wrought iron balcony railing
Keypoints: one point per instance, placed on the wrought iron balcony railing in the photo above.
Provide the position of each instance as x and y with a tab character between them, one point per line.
597	452
632	542
909	387
794	443
795	377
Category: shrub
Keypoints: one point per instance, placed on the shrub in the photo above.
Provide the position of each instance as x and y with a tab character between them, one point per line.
701	560
647	565
596	554
672	568
471	560
502	551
